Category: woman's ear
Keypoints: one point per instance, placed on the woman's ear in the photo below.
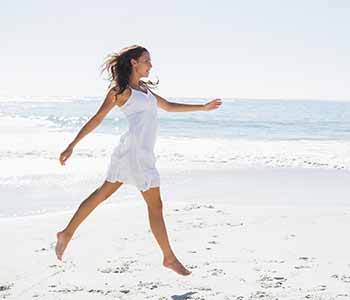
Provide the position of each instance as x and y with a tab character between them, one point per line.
133	62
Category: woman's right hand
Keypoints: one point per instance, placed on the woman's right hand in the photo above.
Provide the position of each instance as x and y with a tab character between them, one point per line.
65	155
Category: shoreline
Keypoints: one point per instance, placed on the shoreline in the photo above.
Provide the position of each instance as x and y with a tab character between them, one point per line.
241	186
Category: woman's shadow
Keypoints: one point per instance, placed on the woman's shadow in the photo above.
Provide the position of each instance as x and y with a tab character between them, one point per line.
183	297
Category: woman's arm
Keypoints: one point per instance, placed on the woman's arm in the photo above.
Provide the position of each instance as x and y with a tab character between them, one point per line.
95	120
181	107
107	105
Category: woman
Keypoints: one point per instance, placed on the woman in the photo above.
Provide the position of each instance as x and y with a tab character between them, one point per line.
132	161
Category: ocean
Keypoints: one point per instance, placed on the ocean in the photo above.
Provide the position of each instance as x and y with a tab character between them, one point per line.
242	133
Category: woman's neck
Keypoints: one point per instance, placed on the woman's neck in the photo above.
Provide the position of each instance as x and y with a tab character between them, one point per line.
134	82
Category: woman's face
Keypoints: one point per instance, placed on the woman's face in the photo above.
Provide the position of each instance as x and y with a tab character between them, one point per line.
143	65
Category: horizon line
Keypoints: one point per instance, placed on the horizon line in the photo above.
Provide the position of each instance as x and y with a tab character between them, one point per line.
187	97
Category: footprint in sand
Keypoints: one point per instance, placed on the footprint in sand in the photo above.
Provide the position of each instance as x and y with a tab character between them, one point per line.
150	285
4	290
267	281
196	206
190	207
67	290
321	287
216	272
124	291
258	295
233	224
275	261
199	225
340	296
123	268
302	267
41	249
80	289
192	267
305	259
203	289
290	236
99	291
343	278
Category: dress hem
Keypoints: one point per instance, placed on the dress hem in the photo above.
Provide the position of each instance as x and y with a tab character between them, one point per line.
154	185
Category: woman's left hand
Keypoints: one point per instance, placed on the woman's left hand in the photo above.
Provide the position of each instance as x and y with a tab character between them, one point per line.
214	104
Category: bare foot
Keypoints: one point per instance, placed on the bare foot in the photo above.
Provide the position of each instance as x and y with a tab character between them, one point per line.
176	266
62	242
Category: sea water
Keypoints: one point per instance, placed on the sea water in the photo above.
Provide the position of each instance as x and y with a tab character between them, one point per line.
240	133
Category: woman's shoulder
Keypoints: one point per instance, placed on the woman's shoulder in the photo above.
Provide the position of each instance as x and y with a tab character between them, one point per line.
120	98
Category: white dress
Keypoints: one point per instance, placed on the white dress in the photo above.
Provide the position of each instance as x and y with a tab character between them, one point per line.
133	160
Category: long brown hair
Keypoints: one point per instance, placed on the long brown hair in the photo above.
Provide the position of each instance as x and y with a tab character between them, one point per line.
119	68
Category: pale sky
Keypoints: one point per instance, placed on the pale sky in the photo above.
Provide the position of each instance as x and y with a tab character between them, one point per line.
223	49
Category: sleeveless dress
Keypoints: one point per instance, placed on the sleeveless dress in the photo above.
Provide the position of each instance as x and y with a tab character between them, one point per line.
133	160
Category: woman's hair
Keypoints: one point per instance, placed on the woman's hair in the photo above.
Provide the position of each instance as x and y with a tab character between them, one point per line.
118	67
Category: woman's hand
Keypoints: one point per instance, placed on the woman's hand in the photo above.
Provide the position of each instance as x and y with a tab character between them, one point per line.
65	155
214	104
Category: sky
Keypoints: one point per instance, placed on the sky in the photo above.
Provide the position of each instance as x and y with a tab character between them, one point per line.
214	49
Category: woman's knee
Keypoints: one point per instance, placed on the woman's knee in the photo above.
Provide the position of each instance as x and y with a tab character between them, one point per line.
153	200
156	205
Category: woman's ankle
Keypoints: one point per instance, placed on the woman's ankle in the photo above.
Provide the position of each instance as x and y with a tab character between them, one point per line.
67	233
169	256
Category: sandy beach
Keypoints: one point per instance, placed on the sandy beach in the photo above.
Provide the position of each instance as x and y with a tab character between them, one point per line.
239	232
238	110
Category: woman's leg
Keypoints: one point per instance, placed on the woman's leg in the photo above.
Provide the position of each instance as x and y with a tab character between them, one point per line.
85	208
155	213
